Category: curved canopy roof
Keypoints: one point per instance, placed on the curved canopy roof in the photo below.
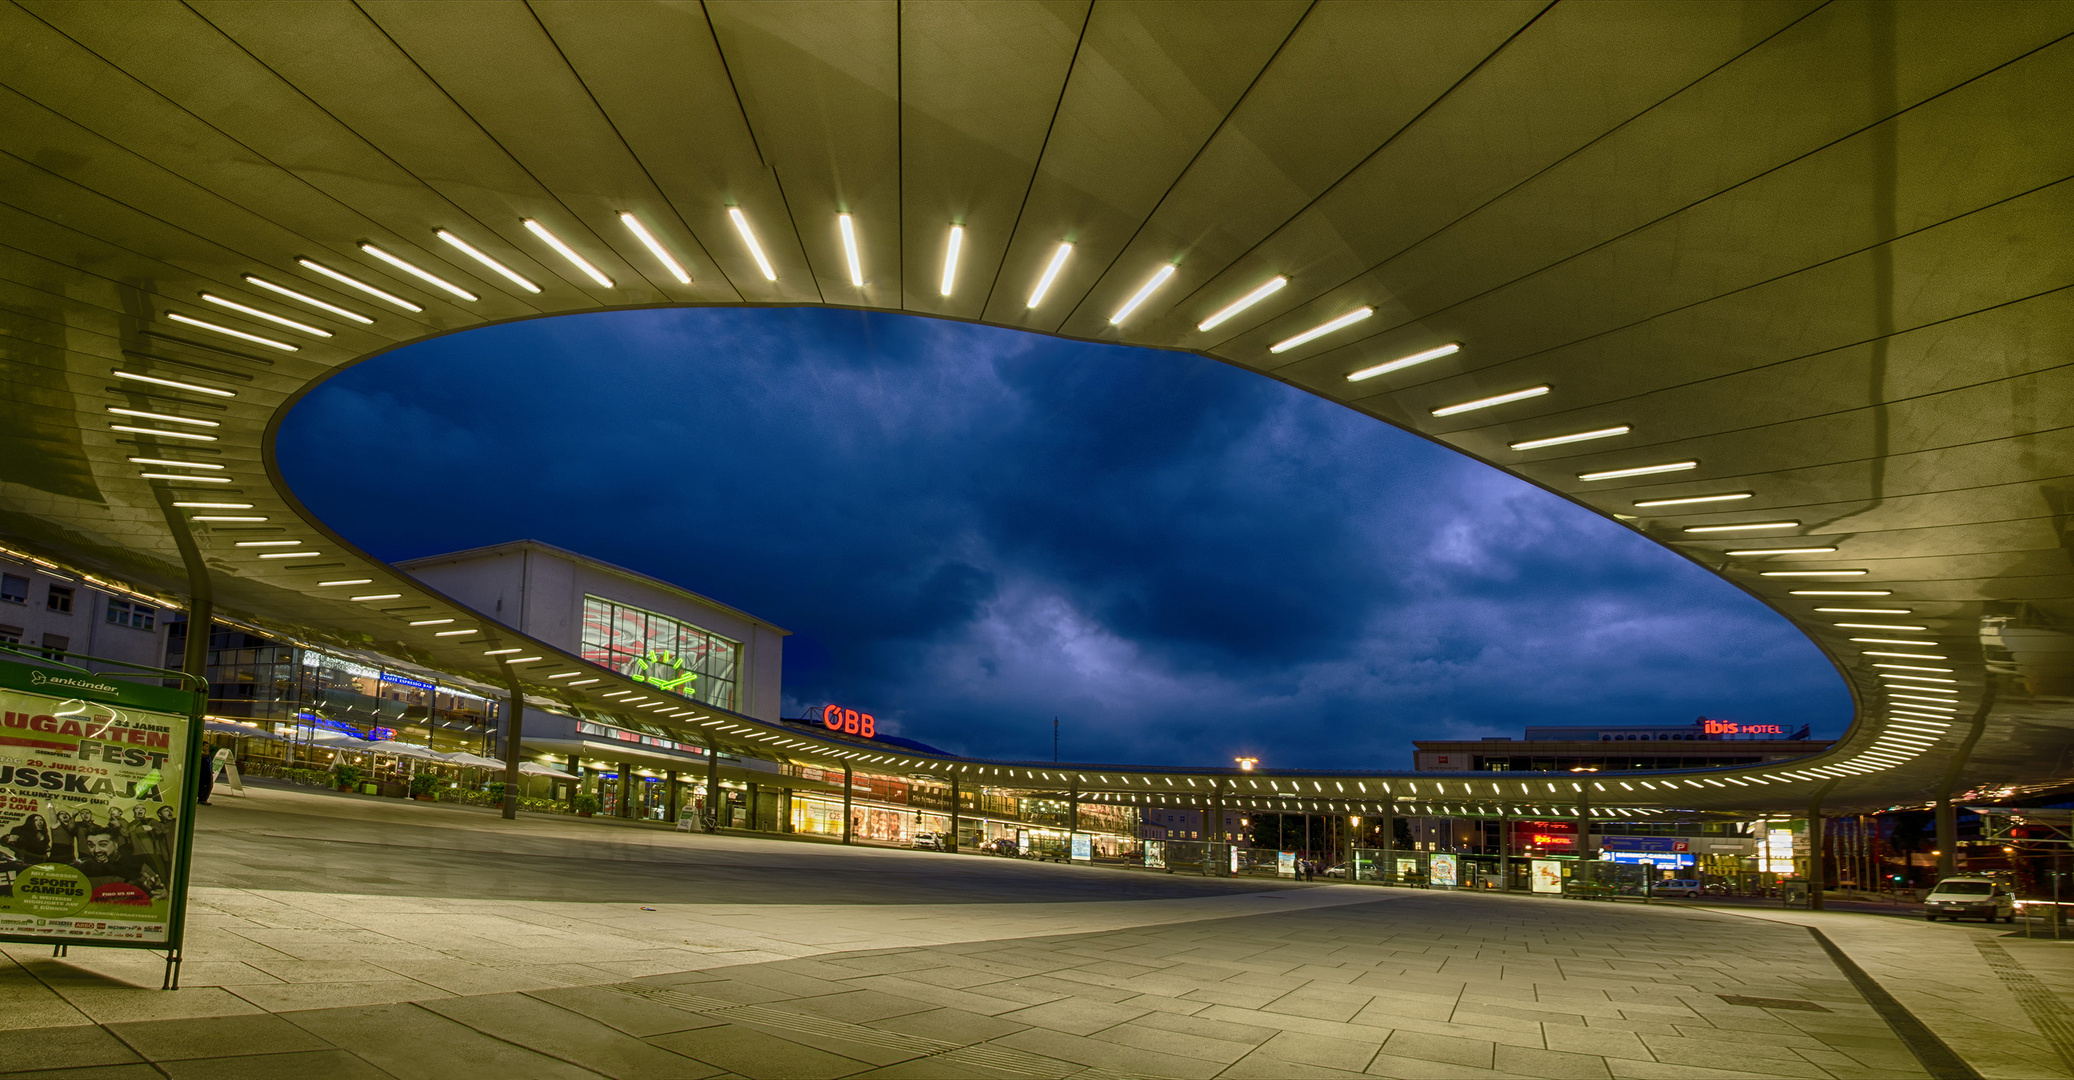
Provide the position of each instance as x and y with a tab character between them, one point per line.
1781	285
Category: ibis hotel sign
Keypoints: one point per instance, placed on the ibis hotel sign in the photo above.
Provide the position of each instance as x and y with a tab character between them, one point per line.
848	721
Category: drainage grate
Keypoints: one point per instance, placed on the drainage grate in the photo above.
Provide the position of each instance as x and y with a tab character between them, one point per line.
2039	1002
982	1056
1772	1003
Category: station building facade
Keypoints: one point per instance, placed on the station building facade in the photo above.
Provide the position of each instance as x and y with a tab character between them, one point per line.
1702	744
55	614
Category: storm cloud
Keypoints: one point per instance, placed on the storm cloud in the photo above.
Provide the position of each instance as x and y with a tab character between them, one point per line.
973	530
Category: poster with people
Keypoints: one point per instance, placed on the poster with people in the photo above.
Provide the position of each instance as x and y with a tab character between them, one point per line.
93	782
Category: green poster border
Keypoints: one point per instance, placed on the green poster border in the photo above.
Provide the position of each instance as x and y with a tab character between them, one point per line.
49	678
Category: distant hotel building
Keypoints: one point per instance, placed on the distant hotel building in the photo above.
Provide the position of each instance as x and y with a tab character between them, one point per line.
1702	744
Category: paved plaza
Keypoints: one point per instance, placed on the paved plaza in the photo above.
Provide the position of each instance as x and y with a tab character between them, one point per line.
341	936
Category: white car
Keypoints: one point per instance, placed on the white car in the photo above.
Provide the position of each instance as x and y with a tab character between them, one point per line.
1969	898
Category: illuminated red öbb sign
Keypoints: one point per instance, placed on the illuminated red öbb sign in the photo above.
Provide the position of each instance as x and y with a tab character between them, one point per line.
1730	727
848	721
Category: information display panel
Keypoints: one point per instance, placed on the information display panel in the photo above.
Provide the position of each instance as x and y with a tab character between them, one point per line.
96	808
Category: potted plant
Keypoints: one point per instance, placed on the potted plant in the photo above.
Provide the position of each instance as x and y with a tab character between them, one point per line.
421	786
586	804
347	777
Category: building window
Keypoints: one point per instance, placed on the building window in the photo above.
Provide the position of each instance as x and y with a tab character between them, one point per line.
55	646
661	651
60	599
10	635
15	588
131	614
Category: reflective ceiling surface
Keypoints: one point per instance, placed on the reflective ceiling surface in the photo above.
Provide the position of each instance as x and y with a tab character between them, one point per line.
1810	261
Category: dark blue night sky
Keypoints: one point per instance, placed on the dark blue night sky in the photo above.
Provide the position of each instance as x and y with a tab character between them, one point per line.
970	530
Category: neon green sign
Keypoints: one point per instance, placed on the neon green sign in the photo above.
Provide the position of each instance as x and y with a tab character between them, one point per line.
651	669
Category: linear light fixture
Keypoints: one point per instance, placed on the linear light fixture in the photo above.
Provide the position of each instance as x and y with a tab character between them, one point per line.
1051	273
1402	362
453	633
1485	403
848	228
380	596
1273	286
170	419
1894	641
952	246
290	554
228	332
1640	470
473	252
1746	526
213	506
1842	592
356	283
1812	573
1159	277
1685	500
1939	704
1916	678
507	652
154	380
434	280
1780	551
655	247
170	461
566	675
1582	436
1322	329
223	517
1906	655
1914	667
291	294
1866	610
254	312
346	581
268	543
430	622
741	221
566	252
522	659
1877	626
185	476
161	432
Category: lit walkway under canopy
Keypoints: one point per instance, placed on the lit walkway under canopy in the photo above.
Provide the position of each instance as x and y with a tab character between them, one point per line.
1780	286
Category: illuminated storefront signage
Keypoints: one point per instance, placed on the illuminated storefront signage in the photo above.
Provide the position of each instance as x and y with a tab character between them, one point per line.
848	721
1730	727
1545	835
1660	844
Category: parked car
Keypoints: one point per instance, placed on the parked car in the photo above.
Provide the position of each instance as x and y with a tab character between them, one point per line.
1338	870
929	841
1969	897
1687	887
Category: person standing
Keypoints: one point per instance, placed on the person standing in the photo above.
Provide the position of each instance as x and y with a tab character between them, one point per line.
62	838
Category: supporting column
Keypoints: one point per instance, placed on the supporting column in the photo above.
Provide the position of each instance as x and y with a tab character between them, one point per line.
575	781
713	785
848	827
670	796
626	790
514	732
1073	810
785	810
1504	853
954	812
1818	865
755	814
1216	829
1389	863
1947	838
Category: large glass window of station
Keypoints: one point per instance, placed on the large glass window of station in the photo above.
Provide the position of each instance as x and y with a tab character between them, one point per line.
668	653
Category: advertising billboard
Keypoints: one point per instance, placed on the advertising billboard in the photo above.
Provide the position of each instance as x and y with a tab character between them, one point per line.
1083	847
1547	876
1443	871
1285	863
1155	854
95	807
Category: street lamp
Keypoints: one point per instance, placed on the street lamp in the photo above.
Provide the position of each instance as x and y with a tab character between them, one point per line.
1246	763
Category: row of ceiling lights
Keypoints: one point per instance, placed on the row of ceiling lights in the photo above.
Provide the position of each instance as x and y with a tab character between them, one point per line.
1891	749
